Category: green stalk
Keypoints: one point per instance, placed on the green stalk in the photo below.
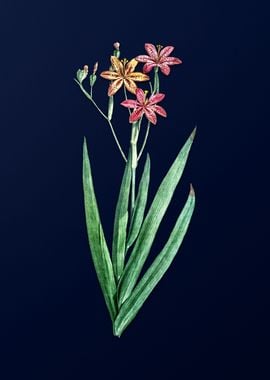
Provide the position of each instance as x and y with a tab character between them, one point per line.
156	81
134	159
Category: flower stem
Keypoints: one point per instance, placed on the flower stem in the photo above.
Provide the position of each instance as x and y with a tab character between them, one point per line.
105	117
145	140
156	81
134	159
125	92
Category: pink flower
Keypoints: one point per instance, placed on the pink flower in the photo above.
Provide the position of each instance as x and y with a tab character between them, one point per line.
158	58
145	106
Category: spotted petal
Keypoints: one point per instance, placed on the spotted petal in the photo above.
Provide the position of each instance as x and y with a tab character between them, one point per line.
151	51
138	77
156	98
114	86
167	50
140	94
170	60
129	103
136	114
160	110
151	116
116	64
130	85
148	67
165	69
111	75
131	65
144	58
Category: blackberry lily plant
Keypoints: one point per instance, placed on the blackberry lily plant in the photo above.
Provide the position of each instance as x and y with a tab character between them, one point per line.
135	225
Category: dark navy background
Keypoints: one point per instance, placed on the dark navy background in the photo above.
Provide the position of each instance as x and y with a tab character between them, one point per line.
207	319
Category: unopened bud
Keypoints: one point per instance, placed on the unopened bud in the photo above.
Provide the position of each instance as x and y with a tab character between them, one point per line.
92	79
95	68
116	45
82	74
116	51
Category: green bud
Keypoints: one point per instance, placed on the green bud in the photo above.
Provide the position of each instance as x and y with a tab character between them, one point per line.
82	74
116	53
92	79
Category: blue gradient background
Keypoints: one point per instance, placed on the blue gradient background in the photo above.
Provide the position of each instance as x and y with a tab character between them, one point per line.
207	319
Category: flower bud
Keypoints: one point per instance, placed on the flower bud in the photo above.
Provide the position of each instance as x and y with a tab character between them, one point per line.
95	68
82	74
116	51
92	79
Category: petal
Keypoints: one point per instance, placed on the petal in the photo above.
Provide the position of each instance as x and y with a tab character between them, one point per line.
170	60
144	58
165	69
136	114
140	95
130	103
116	64
150	114
160	110
130	67
167	50
112	75
114	86
130	85
148	67
156	98
139	77
151	51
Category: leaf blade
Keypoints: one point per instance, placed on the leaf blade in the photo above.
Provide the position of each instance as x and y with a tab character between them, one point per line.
158	268
98	246
120	222
140	204
152	221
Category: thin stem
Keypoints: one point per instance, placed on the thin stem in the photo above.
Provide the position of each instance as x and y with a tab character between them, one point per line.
105	117
125	92
145	140
134	159
156	81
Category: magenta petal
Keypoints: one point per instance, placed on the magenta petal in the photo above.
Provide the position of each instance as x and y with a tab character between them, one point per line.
148	67
130	103
156	98
167	50
165	69
136	115
151	116
143	58
160	110
140	95
171	60
151	51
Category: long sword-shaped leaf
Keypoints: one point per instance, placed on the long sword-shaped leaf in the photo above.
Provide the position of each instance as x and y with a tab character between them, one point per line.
140	203
99	250
120	223
158	268
152	221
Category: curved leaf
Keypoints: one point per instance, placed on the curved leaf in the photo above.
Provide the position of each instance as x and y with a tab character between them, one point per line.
158	268
120	223
152	221
98	246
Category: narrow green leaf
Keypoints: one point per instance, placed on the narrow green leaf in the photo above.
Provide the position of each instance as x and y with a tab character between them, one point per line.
140	204
152	221
120	223
99	250
158	268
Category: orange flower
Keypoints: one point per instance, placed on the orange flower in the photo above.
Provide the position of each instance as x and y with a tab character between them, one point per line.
123	73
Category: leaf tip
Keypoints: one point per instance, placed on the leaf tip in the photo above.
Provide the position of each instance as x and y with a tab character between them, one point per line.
191	191
192	136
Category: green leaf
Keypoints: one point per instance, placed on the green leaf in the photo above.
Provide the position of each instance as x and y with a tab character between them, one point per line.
151	223
120	222
158	268
140	204
98	246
